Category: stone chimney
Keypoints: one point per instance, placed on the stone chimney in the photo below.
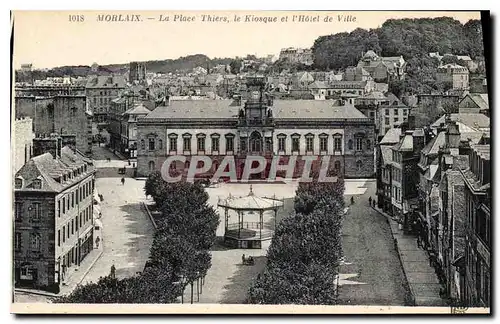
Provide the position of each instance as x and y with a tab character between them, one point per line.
452	137
69	140
51	144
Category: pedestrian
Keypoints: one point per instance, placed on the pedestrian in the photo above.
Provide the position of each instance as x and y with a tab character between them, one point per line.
370	200
97	240
113	272
123	181
128	162
374	202
352	200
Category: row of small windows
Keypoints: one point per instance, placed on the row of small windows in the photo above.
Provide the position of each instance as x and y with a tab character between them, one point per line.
154	144
65	204
37	183
309	141
396	111
74	225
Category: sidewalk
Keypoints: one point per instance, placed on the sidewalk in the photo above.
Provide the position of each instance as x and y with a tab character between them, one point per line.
77	274
421	277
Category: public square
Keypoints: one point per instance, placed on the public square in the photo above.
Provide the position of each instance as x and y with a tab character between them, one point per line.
371	273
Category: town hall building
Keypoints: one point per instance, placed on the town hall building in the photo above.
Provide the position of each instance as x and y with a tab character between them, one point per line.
257	125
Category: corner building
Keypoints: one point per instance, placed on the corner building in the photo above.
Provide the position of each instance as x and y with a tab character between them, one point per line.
257	125
53	207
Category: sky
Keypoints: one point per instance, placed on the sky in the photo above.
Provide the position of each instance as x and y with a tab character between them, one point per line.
49	39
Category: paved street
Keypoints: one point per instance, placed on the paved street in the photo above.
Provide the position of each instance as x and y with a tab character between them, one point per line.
127	230
369	253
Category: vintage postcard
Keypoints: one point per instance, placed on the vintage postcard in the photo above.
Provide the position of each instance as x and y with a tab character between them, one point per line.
251	162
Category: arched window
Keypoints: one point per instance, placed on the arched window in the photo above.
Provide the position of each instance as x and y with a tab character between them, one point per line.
151	165
359	165
143	145
255	142
337	165
160	144
186	165
349	144
368	145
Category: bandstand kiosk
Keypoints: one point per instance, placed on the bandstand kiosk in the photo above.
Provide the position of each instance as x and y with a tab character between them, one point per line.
248	234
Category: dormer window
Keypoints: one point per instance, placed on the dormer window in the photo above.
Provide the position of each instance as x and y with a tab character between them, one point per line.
19	183
37	184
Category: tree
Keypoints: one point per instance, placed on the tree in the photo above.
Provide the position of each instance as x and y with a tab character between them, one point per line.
235	66
155	187
301	284
154	285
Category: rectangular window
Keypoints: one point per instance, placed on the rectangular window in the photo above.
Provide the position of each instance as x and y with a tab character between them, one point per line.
323	144
396	119
58	237
35	242
405	111
76	223
387	112
387	121
35	212
173	144
72	199
243	144
81	220
396	111
337	144
215	144
72	226
18	211
58	208
64	205
359	144
64	234
18	242
201	143
230	143
281	144
309	144
295	144
151	144
187	144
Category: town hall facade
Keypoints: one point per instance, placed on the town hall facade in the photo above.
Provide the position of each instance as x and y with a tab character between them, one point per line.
257	125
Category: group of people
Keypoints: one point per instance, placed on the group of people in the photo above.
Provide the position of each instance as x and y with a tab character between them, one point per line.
371	202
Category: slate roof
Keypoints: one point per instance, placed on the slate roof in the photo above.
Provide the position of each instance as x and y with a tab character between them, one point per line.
137	110
433	146
480	99
374	95
392	136
472	122
285	109
406	144
106	81
47	169
282	109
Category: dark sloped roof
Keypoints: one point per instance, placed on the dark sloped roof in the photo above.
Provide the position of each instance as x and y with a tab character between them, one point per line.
45	168
282	109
